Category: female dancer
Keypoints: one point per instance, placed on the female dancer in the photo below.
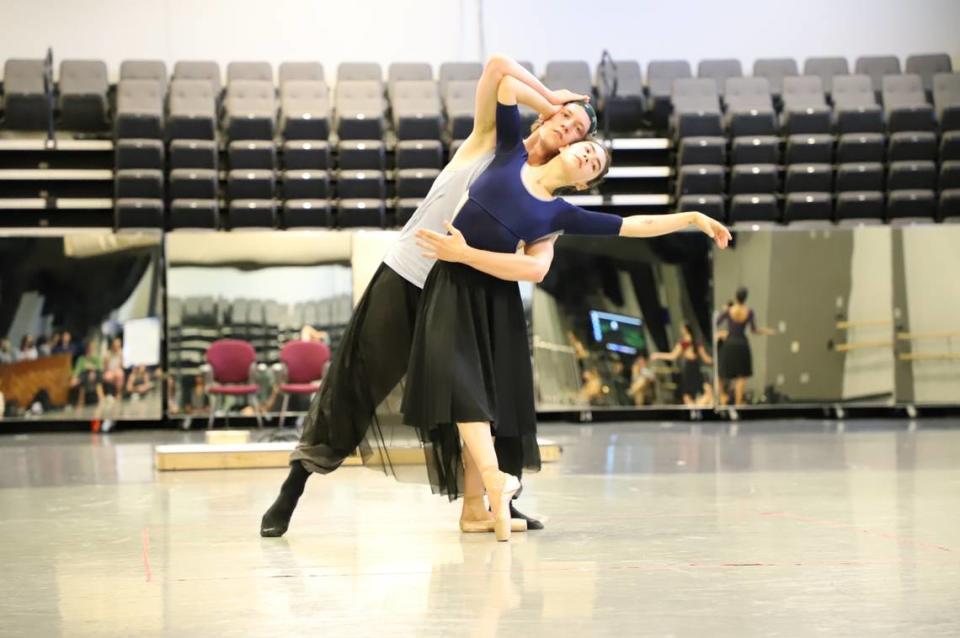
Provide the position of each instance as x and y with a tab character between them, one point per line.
373	353
694	389
736	361
469	375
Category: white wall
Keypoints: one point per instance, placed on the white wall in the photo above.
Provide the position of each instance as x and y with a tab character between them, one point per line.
283	284
933	306
869	371
439	30
367	252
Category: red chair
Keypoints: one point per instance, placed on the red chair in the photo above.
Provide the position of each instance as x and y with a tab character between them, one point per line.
231	367
302	365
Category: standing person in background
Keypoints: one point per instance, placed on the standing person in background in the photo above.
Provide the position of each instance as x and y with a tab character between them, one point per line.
736	359
694	389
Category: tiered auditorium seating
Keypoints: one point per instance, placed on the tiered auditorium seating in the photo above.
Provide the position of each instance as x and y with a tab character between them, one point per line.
776	145
826	145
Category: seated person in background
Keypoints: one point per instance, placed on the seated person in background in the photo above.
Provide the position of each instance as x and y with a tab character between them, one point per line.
309	333
139	383
43	346
62	343
619	382
592	390
27	352
642	379
88	376
113	367
6	351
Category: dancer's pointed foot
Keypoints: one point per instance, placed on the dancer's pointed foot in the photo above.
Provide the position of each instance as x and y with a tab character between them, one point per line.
529	522
276	520
486	525
500	489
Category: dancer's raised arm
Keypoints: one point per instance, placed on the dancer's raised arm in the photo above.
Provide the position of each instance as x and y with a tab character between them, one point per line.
539	97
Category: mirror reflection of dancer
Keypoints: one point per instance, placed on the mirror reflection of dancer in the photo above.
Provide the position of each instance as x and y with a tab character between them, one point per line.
470	374
736	360
375	348
642	379
694	389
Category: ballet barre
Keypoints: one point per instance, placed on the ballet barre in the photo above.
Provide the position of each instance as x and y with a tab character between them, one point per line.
844	325
552	347
930	356
862	345
919	336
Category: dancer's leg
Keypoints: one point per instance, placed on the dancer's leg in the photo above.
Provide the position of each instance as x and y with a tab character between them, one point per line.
739	387
510	458
474	514
277	518
500	486
369	363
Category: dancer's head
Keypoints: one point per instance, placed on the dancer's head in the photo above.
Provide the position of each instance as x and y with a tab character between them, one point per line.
580	166
741	294
572	123
687	332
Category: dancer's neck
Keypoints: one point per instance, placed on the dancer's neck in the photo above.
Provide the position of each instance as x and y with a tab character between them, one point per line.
546	176
536	154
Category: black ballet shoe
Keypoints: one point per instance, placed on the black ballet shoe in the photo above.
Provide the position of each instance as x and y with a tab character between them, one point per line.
276	520
274	523
532	523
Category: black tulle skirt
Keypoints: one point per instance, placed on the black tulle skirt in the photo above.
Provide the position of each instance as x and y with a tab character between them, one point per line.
735	358
469	361
348	413
691	378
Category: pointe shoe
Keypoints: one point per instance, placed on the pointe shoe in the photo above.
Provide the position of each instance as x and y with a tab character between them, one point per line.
501	487
487	525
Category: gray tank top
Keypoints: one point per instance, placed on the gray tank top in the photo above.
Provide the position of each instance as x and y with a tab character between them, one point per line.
404	256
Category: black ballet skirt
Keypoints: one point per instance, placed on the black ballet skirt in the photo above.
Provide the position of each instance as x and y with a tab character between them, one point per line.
470	361
735	358
691	378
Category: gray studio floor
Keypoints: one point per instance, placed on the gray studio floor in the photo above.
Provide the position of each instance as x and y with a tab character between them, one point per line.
773	529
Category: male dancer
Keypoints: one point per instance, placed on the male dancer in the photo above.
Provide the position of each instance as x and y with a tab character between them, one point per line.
373	354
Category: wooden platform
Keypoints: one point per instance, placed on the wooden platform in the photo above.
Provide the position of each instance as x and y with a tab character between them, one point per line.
232	456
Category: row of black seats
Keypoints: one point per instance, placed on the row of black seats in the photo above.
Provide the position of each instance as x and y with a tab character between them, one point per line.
194	104
853	206
748	107
260	213
819	148
768	178
83	85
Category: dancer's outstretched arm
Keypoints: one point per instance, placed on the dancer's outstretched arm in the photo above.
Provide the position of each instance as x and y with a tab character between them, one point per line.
531	265
656	225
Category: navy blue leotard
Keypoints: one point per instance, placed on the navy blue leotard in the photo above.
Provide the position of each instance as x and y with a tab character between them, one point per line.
500	212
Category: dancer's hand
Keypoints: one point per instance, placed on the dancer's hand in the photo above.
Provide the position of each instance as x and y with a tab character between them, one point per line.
562	96
713	229
452	247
